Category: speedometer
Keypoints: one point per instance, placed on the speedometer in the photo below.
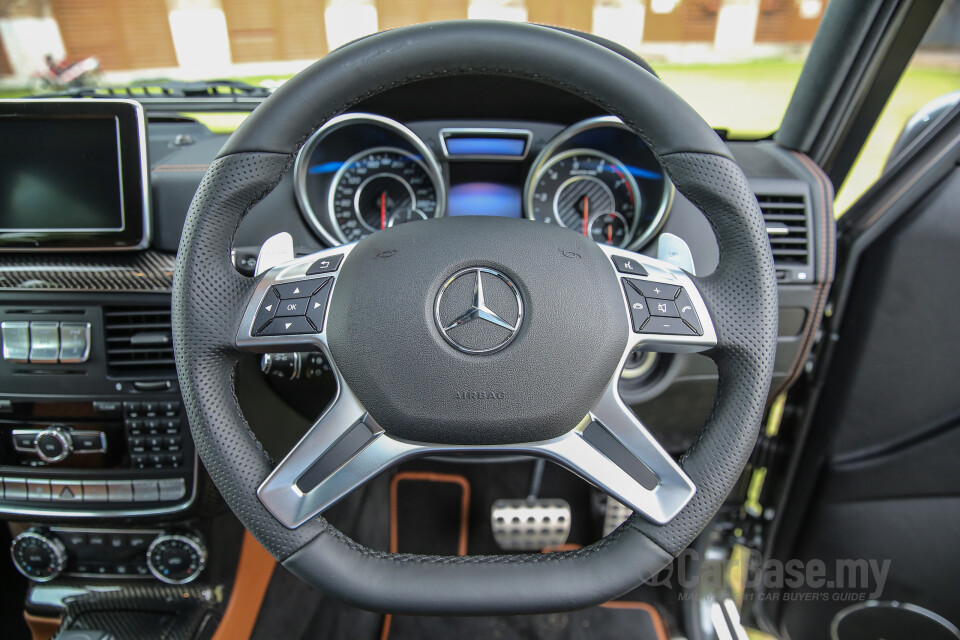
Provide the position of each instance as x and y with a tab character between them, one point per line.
380	188
588	191
361	172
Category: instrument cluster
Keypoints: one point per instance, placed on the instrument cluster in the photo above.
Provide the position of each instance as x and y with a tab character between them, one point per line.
360	173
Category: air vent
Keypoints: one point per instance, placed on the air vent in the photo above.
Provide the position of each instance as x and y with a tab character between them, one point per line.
786	220
139	340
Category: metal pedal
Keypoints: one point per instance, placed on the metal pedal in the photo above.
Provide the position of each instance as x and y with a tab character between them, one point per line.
530	525
614	514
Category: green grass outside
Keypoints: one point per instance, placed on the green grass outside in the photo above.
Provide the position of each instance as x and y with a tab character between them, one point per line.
749	99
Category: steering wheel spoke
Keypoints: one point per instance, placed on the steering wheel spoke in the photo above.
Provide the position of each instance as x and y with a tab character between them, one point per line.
288	307
665	311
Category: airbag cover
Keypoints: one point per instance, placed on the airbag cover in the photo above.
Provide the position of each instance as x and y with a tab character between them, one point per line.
420	387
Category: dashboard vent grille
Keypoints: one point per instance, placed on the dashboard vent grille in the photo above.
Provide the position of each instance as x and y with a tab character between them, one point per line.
785	217
139	339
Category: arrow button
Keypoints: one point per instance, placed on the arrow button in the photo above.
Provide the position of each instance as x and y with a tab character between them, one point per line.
266	311
287	327
317	307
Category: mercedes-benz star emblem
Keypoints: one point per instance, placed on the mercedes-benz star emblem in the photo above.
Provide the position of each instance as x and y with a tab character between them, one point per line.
478	310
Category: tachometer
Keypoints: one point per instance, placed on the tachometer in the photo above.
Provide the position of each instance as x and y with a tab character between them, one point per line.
588	191
379	188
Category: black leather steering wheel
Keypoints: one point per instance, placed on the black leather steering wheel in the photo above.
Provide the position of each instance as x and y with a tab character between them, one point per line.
474	334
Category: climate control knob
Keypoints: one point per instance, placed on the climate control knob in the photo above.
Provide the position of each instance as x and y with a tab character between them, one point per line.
176	558
39	557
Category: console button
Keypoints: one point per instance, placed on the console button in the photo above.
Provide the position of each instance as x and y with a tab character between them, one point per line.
638	307
655	289
66	490
38	490
169	409
138	541
132	409
287	327
149	409
116	541
97	541
325	265
317	307
16	341
88	441
172	489
107	408
662	308
14	489
119	491
292	307
94	491
687	312
23	440
74	539
74	341
145	491
668	326
628	265
44	341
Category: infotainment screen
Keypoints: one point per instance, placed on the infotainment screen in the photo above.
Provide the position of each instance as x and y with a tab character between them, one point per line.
72	175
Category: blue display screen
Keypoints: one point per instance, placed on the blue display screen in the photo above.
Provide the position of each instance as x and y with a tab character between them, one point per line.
486	146
484	199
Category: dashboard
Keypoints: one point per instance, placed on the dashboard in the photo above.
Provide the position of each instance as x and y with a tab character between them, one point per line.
94	446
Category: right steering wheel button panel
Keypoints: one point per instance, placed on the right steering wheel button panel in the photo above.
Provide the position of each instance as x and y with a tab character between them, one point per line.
656	307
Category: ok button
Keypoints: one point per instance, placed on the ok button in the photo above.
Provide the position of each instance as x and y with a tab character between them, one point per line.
293	307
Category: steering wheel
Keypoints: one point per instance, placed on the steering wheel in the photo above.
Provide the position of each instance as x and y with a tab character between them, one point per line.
474	334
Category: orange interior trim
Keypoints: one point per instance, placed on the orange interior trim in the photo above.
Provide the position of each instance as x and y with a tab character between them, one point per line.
425	476
42	628
658	624
254	570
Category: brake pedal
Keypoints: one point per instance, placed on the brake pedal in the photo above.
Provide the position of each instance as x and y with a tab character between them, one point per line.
530	525
615	513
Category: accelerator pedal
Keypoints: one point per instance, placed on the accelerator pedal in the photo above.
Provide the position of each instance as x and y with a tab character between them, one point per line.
530	525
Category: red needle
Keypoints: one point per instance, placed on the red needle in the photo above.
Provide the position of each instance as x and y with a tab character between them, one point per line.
609	234
383	210
586	214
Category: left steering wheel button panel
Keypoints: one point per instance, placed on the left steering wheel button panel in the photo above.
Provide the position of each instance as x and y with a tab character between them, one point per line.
287	326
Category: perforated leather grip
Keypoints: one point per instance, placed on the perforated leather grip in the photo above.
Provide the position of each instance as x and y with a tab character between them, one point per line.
741	296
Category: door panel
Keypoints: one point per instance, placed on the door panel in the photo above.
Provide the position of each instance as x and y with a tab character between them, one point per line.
888	428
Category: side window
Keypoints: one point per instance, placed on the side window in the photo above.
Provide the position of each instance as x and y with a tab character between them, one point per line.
933	73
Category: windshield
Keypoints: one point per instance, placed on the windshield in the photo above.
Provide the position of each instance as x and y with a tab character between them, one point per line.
735	62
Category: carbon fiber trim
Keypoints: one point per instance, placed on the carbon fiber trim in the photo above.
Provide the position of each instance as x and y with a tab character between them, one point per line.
147	271
145	612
